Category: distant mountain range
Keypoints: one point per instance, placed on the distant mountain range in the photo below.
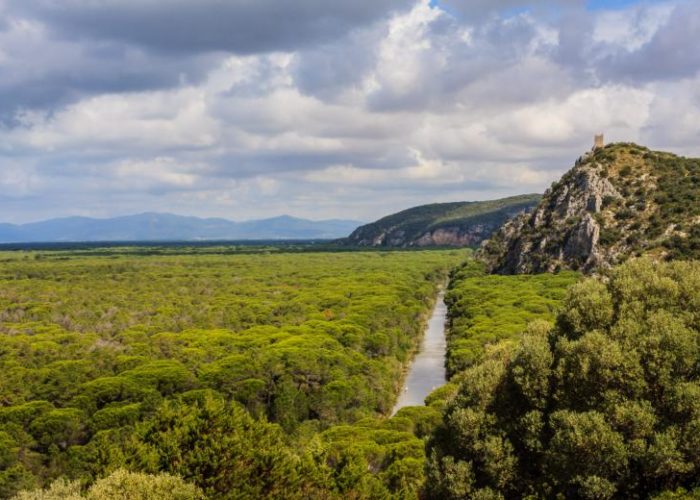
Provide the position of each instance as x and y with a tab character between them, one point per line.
466	223
170	227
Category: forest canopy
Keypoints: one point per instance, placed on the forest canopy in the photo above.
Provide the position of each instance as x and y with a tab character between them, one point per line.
271	376
604	403
111	361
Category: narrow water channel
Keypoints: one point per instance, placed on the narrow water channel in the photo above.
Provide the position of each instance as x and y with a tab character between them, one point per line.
428	369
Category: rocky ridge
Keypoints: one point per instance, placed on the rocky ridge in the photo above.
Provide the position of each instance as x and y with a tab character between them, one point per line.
617	201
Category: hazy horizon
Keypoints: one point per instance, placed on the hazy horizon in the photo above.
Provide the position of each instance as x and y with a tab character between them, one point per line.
228	219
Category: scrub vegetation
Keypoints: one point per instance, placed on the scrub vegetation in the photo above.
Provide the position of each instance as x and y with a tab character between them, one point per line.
601	404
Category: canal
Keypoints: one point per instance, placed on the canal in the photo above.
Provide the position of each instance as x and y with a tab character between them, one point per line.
427	371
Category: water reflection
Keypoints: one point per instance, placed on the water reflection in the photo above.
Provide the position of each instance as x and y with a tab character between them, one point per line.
428	369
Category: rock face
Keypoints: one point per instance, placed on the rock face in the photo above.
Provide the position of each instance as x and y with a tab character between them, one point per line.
460	224
616	202
561	230
456	236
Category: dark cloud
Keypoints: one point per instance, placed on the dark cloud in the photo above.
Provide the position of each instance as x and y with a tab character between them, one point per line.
57	52
240	26
573	49
48	86
328	69
42	72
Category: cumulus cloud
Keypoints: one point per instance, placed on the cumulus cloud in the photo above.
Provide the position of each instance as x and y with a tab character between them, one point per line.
670	53
38	71
346	109
240	26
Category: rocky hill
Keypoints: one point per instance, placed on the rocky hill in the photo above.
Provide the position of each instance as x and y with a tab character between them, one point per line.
618	201
441	224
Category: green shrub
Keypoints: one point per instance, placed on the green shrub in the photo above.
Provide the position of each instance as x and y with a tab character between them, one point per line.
604	405
120	485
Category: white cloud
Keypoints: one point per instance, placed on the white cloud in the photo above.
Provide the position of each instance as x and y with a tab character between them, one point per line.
631	29
428	106
144	121
159	172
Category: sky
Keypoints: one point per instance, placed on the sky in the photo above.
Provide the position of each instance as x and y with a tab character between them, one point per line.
322	109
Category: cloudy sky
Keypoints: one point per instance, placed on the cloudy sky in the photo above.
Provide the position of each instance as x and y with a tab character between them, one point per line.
323	108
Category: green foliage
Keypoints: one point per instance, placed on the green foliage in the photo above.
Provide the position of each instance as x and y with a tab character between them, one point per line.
486	309
654	211
660	198
685	246
220	448
606	404
120	485
58	490
99	349
124	485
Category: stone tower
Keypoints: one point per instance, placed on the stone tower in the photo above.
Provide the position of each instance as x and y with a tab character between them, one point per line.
598	141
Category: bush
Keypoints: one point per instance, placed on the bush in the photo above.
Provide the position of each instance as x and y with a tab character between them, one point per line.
605	404
120	485
221	449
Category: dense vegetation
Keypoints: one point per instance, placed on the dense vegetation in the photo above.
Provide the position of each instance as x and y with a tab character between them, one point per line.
393	450
488	309
119	485
177	363
206	375
660	202
603	404
463	223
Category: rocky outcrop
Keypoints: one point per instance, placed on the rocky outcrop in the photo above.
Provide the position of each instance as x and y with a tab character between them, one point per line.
616	202
449	236
561	232
456	236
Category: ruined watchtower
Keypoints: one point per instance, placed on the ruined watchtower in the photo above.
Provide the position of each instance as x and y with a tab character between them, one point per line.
598	141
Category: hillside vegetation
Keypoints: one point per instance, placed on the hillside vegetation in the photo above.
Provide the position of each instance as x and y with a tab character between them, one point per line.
619	201
441	224
603	404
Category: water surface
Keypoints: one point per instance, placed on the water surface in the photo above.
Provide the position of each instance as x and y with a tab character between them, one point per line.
427	371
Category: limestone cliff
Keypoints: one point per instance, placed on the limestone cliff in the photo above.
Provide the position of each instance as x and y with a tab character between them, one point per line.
618	201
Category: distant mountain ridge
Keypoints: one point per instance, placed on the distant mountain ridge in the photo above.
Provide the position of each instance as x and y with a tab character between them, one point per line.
153	226
441	224
618	201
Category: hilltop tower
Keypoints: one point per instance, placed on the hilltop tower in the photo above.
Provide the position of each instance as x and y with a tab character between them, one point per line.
598	141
